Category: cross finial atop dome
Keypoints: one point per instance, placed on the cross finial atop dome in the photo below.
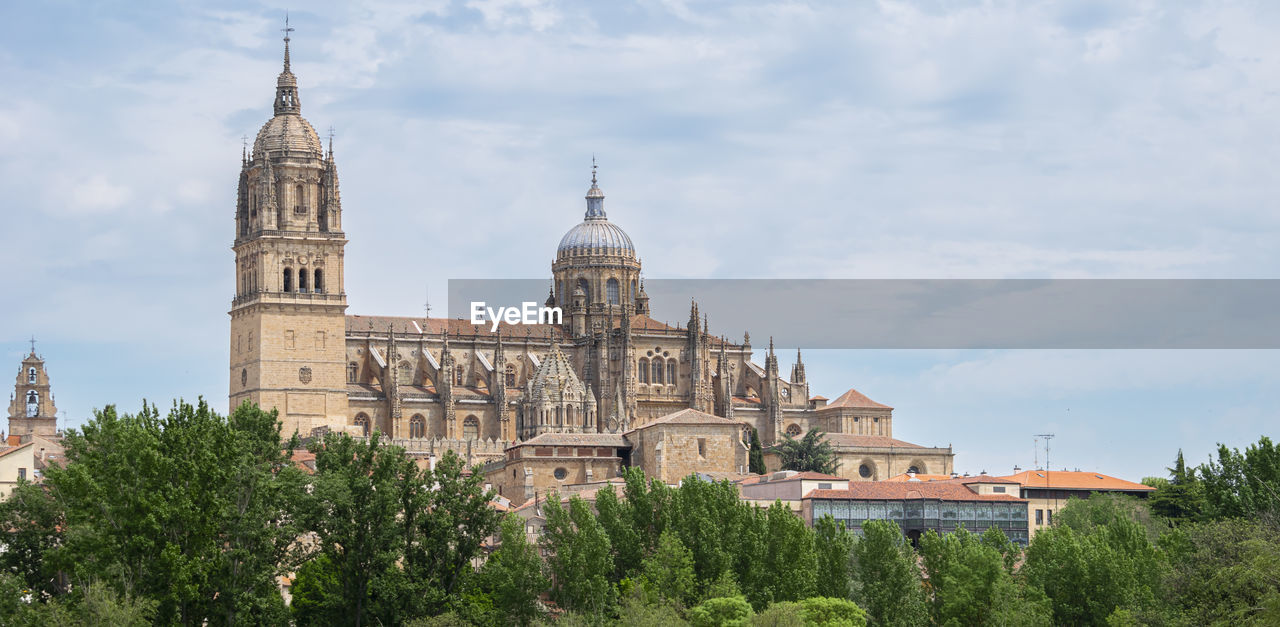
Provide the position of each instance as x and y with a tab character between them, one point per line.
286	30
595	197
287	84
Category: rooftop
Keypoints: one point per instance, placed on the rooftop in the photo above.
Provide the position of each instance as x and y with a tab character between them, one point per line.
898	490
1074	480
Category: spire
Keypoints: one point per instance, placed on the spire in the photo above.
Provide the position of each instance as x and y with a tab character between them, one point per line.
595	197
286	30
287	84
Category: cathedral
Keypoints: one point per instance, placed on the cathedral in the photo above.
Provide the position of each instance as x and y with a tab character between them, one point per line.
435	384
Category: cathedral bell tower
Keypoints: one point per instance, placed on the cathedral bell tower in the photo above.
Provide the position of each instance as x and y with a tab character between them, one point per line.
31	409
288	321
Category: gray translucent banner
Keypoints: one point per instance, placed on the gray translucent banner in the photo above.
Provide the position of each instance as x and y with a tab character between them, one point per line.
1016	313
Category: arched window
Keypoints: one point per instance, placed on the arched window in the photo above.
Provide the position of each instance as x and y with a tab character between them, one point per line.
302	279
31	375
793	430
643	370
300	200
288	279
471	428
457	375
417	426
913	470
353	371
657	371
632	296
511	375
362	421
671	371
582	284
404	373
611	290
319	282
33	403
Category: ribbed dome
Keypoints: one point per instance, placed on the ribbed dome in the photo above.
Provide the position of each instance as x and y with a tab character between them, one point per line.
288	131
596	234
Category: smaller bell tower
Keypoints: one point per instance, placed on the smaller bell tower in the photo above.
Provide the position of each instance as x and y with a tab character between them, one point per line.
31	408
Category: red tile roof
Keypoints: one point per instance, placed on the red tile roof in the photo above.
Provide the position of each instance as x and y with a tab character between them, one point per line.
799	476
919	477
457	328
856	400
687	417
878	441
1074	480
897	490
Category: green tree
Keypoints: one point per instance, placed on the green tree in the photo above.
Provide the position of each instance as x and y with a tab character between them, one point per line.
832	612
316	593
812	453
1180	498
755	454
834	545
92	604
354	509
1223	572
971	583
579	558
619	523
447	517
707	517
1243	484
512	576
891	589
31	521
192	510
1090	574
722	612
790	556
668	573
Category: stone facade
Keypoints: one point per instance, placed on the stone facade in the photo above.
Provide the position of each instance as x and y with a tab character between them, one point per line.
688	442
607	368
31	407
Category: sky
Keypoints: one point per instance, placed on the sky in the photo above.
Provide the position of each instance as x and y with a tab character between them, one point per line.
867	140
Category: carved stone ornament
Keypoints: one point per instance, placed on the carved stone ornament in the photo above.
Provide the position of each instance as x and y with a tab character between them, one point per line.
304	374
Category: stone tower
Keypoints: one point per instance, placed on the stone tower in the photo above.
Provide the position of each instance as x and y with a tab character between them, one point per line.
597	258
31	409
288	327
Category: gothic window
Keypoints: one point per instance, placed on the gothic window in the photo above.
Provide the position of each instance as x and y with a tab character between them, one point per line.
319	282
511	375
417	427
302	279
404	373
671	371
657	371
633	291
582	284
353	371
471	428
913	470
288	279
793	430
611	290
31	375
643	370
301	199
457	375
33	404
362	421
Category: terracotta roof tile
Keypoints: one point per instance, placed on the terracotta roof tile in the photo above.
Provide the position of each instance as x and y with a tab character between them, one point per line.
462	329
919	477
799	476
856	400
615	440
898	490
871	441
1073	480
687	417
